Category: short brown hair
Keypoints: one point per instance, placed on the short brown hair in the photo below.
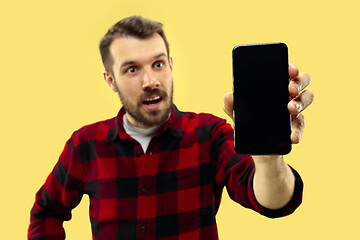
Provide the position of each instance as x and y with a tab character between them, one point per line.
134	26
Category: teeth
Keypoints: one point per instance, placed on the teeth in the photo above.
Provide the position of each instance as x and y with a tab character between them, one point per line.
153	98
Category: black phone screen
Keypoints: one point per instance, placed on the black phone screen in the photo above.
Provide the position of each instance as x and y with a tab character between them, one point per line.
262	122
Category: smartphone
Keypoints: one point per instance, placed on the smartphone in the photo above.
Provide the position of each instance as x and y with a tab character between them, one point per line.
262	122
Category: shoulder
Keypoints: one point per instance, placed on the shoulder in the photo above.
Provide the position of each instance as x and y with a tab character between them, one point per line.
97	131
204	118
204	121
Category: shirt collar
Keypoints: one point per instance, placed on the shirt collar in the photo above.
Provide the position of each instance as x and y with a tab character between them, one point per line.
172	126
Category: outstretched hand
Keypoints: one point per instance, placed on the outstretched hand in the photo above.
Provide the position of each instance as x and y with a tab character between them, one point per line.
300	99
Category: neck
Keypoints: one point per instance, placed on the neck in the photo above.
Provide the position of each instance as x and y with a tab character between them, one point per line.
141	130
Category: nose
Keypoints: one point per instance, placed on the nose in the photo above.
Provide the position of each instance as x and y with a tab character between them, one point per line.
149	81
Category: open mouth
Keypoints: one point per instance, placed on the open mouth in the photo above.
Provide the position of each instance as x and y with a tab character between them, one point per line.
152	100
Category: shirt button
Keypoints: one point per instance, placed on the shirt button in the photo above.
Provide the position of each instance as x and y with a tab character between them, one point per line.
144	190
138	154
143	228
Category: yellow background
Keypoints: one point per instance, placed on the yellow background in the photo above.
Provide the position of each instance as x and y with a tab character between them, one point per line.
51	84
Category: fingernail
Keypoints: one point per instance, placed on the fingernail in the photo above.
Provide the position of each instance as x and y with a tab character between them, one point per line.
296	105
297	87
297	135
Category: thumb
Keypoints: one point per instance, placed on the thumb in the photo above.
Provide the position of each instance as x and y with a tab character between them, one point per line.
229	104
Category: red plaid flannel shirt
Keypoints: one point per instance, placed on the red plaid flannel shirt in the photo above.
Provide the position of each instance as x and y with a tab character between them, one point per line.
172	191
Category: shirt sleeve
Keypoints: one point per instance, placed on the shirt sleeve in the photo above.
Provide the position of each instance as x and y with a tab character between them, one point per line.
62	191
236	173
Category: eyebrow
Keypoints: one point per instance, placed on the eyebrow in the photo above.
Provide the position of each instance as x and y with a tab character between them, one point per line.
133	62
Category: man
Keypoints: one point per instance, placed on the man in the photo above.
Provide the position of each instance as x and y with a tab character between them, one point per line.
153	172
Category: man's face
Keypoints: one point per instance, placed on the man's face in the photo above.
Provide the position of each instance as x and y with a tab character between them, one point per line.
143	79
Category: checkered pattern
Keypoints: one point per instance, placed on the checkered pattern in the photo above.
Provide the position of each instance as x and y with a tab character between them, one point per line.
172	191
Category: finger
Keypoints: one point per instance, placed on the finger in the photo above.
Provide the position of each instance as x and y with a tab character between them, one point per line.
298	83
229	104
301	102
297	128
293	71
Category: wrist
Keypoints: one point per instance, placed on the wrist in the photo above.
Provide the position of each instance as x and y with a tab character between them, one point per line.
270	165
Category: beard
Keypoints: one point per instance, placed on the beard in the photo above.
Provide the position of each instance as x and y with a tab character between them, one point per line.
155	118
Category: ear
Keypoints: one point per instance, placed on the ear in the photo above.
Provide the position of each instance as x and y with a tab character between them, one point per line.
171	63
110	80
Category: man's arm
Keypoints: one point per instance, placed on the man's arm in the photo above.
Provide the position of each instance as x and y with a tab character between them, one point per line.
274	181
61	192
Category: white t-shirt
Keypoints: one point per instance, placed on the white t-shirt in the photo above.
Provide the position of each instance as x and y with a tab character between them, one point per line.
142	135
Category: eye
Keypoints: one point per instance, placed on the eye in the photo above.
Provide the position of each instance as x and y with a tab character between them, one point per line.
158	64
131	70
